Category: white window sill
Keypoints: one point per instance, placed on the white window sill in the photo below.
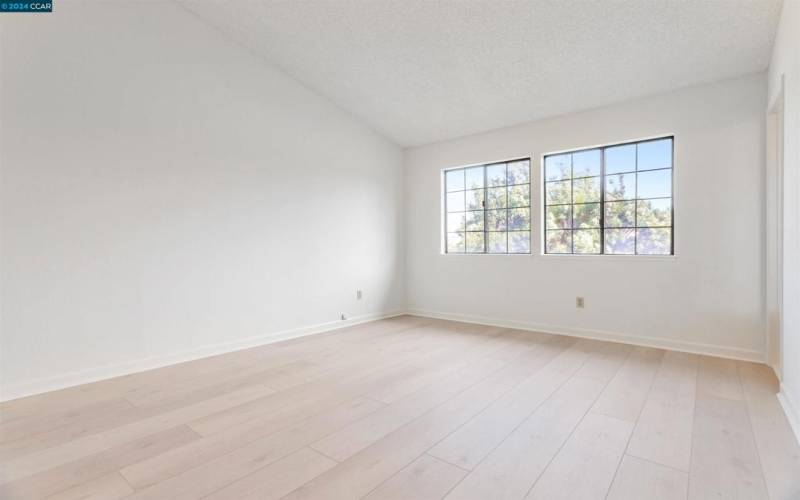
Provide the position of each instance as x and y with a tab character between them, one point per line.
607	258
649	258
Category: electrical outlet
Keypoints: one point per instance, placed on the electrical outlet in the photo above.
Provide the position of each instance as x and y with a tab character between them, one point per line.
343	317
579	302
358	295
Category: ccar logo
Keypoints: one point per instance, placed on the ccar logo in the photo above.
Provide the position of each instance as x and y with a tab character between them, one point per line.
26	6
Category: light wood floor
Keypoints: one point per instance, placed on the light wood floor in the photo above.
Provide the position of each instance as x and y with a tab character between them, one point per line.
411	409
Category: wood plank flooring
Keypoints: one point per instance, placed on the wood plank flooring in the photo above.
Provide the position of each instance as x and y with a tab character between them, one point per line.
411	408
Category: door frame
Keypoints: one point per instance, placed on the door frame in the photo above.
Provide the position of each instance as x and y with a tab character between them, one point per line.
774	211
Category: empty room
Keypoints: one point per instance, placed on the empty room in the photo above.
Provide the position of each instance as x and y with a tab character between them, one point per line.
400	249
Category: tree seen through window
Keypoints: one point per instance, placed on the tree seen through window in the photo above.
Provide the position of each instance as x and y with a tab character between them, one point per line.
488	208
610	200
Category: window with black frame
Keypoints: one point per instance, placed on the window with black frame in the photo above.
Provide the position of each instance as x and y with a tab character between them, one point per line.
488	208
610	200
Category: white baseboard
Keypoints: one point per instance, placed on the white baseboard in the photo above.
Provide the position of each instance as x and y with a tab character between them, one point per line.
792	412
52	383
661	343
70	379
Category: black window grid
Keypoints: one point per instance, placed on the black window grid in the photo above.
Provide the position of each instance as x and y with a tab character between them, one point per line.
603	176
485	209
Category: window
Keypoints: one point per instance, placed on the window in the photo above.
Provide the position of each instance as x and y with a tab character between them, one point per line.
488	208
610	200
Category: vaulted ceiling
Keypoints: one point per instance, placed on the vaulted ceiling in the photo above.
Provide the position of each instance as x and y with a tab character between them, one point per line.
421	71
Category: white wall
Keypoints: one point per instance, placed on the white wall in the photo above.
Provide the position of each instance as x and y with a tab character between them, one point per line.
166	194
708	298
784	73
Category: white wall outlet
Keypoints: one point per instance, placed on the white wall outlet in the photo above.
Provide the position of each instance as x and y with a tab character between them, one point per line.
358	295
579	302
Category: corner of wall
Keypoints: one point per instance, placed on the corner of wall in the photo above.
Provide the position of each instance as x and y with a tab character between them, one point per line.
404	225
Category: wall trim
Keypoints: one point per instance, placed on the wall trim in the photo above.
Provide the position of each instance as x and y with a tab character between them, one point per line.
79	377
791	410
658	342
71	379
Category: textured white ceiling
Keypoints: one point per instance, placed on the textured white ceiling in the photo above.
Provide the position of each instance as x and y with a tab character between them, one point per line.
421	71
